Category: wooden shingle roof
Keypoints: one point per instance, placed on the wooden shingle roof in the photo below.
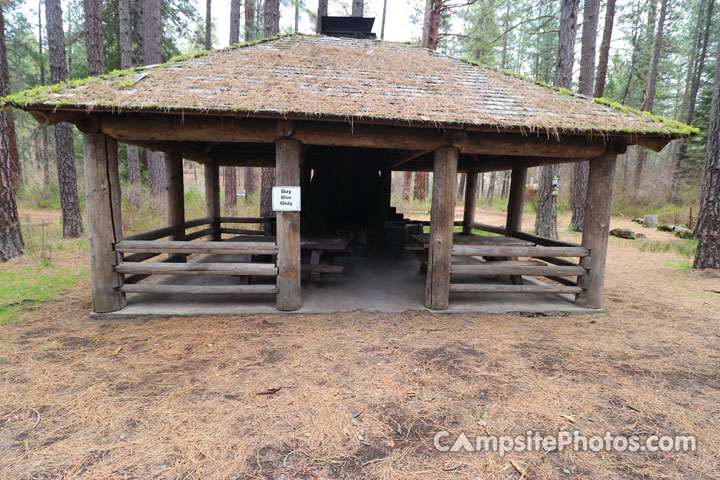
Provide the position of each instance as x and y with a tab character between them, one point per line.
359	80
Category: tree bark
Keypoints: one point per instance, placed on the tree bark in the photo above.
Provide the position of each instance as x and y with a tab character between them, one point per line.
272	18
707	230
93	37
419	192
234	20
605	49
461	186
249	20
8	118
65	157
407	180
650	96
152	54
43	155
587	77
431	24
546	218
491	188
250	183
133	157
382	25
357	8
11	241
230	180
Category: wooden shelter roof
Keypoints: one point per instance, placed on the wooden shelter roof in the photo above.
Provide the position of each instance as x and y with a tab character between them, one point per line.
356	80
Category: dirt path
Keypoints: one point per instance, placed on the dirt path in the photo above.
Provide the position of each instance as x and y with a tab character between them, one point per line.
362	395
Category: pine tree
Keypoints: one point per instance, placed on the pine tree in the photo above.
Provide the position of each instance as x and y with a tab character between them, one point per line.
321	12
357	8
208	21
605	49
133	157
272	28
7	117
65	156
93	37
708	226
152	54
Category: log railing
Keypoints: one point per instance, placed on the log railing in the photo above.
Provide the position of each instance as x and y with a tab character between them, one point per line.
137	248
547	258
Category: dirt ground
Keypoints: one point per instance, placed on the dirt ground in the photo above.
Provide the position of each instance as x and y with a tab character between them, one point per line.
361	395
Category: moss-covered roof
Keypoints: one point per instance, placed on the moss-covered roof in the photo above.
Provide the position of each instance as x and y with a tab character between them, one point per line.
359	80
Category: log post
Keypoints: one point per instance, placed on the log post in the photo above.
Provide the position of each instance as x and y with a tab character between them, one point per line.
442	215
386	182
102	198
471	193
598	206
516	200
287	174
212	198
175	194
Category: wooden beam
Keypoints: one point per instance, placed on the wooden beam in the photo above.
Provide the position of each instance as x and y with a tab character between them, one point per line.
516	251
287	174
471	193
138	127
405	157
230	248
488	228
175	194
200	289
598	205
196	268
510	268
212	198
102	199
516	200
488	288
153	234
442	214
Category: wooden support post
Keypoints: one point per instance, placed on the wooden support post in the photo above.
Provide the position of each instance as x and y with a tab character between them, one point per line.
471	193
212	198
175	194
442	215
598	205
516	200
102	199
287	174
386	181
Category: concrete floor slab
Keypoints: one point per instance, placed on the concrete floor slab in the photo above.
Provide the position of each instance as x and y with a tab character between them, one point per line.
373	284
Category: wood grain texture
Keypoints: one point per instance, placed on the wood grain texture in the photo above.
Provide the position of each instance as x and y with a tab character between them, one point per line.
287	173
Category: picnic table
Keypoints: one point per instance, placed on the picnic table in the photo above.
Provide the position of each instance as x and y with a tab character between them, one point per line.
319	248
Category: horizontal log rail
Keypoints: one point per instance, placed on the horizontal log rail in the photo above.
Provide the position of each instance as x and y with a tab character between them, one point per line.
516	251
547	242
487	288
487	228
242	220
199	234
199	289
198	222
502	268
196	268
188	247
241	231
153	234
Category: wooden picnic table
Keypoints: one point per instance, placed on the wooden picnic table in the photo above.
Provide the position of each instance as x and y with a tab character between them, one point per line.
317	247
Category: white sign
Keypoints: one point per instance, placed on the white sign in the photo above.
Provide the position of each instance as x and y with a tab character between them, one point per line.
286	199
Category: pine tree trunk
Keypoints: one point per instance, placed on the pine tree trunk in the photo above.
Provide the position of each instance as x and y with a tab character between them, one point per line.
382	26
491	188
431	24
546	218
357	8
419	192
321	12
585	87
93	37
133	157
235	21
707	230
65	157
43	156
230	180
152	54
272	18
605	49
156	175
461	186
250	7
250	183
8	118
650	96
208	23
505	184
407	180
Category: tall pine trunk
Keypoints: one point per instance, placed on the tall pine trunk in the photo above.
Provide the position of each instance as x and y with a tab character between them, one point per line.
93	37
250	7
11	241
321	12
382	25
707	230
491	189
64	154
357	8
605	49
431	24
208	22
43	154
272	28
133	157
585	87
152	54
407	181
546	218
650	96
8	118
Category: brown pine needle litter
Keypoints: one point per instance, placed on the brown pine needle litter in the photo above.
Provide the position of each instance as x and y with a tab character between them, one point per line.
180	401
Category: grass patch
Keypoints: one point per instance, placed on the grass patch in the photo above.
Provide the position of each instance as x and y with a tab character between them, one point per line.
30	285
680	264
684	248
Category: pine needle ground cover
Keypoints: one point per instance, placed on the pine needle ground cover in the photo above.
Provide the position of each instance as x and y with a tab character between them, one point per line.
361	395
